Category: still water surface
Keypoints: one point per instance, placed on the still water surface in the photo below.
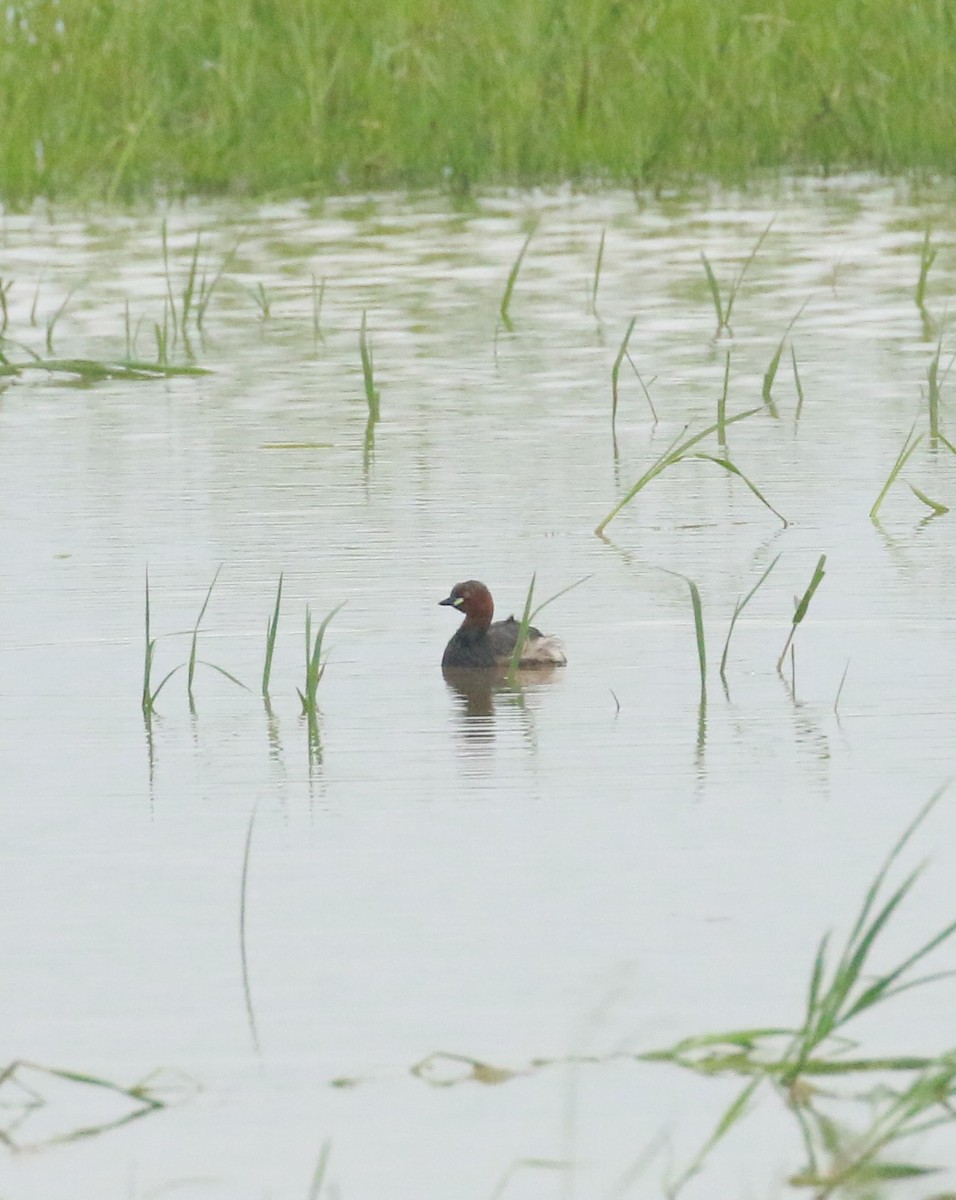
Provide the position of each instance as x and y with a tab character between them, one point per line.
585	865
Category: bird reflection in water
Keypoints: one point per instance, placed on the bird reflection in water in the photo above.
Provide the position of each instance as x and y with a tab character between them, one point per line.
479	693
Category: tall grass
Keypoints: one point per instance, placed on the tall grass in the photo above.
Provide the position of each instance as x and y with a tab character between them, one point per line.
121	100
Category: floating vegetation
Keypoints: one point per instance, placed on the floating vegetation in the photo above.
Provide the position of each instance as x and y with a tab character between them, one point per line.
91	370
48	1106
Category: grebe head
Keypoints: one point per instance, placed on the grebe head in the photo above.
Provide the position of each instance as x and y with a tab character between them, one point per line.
474	600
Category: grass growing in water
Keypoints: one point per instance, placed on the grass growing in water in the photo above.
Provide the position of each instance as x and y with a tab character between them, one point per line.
909	446
725	309
149	692
788	1058
676	452
272	628
803	604
371	392
314	663
927	256
528	616
513	278
193	660
738	609
597	273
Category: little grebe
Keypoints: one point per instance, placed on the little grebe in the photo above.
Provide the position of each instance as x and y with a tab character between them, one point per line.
478	643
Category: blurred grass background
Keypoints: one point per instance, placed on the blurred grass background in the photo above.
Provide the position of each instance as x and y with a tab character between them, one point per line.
134	98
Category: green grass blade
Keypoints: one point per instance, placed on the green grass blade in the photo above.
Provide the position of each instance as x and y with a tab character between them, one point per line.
522	629
738	609
699	631
801	611
272	629
735	470
938	508
365	352
714	288
222	671
722	405
563	592
932	379
616	371
730	1117
189	290
148	658
674	453
909	446
797	384
597	272
927	257
171	300
513	277
318	295
318	1176
243	956
748	261
192	649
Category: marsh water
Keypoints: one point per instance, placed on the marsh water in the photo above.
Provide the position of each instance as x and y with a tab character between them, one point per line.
307	940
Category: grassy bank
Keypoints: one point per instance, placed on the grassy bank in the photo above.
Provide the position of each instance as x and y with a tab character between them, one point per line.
118	99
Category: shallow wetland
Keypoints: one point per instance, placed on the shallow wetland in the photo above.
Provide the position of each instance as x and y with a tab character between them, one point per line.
429	927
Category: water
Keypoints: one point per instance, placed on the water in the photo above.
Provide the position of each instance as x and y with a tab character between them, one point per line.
588	865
